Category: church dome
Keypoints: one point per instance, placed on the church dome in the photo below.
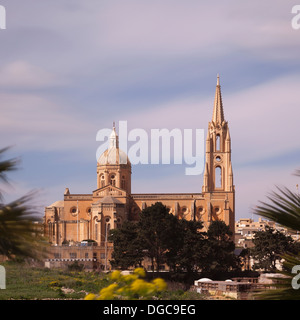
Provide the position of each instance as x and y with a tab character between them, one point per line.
113	155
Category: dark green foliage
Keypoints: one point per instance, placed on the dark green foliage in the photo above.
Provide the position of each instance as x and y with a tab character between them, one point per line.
269	246
219	249
189	255
180	244
128	250
158	231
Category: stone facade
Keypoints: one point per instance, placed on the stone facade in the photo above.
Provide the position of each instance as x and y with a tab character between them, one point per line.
90	216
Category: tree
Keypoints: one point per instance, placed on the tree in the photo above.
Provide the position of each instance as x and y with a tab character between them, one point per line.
219	248
189	254
158	230
20	236
128	250
269	246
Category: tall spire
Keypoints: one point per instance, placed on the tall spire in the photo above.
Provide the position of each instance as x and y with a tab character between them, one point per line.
218	113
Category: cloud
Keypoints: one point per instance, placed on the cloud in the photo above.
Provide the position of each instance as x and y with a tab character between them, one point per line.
262	119
34	122
21	74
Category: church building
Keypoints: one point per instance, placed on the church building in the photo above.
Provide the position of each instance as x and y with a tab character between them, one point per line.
80	217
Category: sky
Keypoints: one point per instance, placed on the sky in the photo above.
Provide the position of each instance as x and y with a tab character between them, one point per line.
69	68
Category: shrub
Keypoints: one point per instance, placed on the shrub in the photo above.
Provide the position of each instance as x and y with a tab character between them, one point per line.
129	287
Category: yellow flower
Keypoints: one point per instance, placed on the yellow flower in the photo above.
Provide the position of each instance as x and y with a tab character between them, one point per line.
90	296
141	287
129	278
108	292
116	275
160	284
140	272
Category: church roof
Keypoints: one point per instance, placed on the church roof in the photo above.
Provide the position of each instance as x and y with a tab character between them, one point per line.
218	113
113	155
59	204
109	200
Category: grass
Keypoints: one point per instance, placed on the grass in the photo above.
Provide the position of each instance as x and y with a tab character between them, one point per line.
33	283
25	282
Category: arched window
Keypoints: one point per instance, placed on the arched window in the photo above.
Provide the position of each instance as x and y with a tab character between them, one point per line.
218	143
113	180
102	181
123	183
218	177
89	211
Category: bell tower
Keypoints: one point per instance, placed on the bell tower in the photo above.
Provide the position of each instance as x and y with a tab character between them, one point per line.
218	175
218	187
113	166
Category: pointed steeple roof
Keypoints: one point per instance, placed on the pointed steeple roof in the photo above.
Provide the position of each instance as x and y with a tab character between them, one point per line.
218	113
114	139
227	135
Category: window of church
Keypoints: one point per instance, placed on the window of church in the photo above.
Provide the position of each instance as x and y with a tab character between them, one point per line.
199	212
218	177
218	142
73	211
123	185
113	180
102	181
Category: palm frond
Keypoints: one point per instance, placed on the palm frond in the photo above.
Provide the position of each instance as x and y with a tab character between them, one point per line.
283	290
20	230
7	165
284	208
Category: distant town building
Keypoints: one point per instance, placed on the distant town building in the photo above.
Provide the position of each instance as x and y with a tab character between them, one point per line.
245	230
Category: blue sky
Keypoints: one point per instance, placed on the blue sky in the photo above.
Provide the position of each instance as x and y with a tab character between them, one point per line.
69	68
